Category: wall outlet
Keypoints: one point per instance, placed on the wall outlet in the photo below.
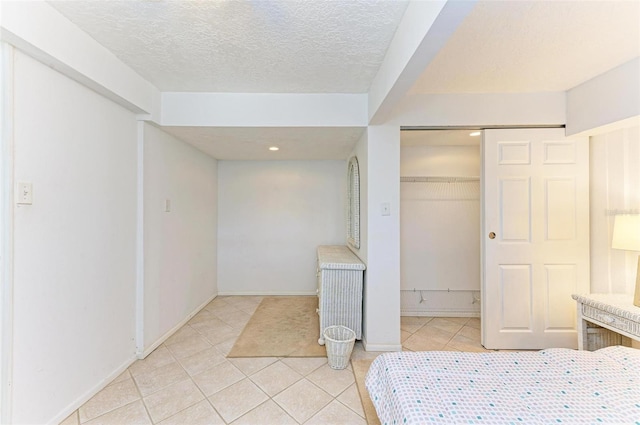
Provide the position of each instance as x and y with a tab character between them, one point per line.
24	193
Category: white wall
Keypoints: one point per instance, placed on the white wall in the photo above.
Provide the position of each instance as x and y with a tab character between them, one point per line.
615	187
74	251
381	309
272	215
378	152
180	250
481	109
440	232
440	160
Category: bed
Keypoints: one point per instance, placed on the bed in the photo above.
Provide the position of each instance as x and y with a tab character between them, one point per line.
554	386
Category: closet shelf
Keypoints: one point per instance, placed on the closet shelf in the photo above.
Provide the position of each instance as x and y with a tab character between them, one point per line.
438	179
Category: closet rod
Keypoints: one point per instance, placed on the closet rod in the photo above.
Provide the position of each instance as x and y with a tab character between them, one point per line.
440	179
440	290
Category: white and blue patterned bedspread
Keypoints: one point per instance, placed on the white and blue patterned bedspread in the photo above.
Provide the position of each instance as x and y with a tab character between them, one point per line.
554	386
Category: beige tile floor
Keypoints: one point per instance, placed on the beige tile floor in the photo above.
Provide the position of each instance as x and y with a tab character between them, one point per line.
189	380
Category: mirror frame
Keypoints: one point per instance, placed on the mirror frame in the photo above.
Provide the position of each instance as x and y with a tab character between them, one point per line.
353	203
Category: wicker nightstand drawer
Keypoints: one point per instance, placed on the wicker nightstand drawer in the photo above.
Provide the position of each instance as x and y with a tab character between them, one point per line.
614	312
611	320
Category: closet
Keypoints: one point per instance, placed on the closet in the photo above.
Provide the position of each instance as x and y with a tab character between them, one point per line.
440	223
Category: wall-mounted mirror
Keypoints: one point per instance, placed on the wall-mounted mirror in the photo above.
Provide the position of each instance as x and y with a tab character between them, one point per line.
353	204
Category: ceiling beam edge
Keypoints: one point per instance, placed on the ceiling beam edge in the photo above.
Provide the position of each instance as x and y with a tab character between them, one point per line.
40	31
423	31
263	110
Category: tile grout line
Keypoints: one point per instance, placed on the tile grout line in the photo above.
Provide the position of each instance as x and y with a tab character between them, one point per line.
195	383
140	393
135	384
226	358
345	390
264	402
189	377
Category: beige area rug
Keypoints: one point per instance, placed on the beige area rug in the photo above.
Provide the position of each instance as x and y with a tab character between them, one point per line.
281	327
360	368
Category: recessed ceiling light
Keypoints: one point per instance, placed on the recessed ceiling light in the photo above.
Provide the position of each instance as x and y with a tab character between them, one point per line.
475	133
274	148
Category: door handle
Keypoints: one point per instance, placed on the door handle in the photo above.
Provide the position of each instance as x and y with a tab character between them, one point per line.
492	235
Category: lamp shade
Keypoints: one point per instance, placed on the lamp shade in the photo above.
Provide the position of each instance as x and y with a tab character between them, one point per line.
626	232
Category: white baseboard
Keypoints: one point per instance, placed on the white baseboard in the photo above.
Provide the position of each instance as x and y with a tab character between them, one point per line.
266	294
148	350
440	313
380	347
75	405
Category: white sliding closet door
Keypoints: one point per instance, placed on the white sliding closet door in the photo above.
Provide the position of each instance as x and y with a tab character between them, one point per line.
535	237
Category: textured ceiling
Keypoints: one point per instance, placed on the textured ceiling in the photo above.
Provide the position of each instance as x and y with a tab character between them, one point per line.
534	46
258	46
252	143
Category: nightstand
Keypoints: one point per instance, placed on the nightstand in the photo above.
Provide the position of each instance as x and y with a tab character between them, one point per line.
614	312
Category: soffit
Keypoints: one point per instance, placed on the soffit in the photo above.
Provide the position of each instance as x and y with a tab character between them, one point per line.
413	138
252	143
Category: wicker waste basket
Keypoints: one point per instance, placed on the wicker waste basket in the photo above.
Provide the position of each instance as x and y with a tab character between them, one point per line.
339	342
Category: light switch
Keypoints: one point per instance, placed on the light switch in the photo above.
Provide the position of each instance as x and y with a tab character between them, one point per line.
167	205
24	193
385	208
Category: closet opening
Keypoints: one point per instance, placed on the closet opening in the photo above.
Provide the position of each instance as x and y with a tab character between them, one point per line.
440	222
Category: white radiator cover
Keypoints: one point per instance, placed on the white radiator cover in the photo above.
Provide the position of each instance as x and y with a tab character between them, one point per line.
340	283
